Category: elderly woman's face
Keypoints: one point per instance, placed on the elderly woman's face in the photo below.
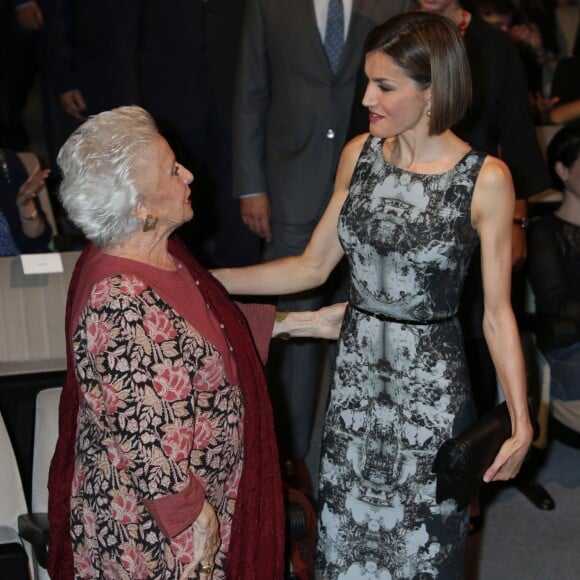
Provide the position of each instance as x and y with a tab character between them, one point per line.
167	193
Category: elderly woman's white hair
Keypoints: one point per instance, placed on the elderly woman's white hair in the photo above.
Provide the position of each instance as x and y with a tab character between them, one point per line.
102	164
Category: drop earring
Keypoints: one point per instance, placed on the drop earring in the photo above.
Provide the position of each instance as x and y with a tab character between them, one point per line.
429	109
150	222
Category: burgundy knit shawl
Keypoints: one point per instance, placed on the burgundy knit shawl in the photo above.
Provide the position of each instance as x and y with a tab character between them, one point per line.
257	541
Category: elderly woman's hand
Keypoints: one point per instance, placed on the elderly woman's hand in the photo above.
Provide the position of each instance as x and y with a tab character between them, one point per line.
330	320
206	542
323	323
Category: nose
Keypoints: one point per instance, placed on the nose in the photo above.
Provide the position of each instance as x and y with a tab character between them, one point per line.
368	97
187	175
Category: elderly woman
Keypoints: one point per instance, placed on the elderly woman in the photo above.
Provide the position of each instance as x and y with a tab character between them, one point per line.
166	464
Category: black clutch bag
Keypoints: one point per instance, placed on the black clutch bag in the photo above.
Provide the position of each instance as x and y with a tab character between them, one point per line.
461	461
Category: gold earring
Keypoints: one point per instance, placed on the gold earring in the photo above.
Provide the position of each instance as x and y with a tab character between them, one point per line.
150	222
429	110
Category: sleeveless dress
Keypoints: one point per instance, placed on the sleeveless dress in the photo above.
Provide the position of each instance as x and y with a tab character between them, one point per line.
400	385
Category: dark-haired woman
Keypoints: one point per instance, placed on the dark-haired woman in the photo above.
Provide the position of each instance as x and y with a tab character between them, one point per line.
411	202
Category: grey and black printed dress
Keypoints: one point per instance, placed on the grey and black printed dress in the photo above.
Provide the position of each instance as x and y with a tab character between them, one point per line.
401	384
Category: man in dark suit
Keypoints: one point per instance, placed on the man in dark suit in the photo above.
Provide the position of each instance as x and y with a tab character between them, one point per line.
291	114
186	60
84	57
20	22
175	58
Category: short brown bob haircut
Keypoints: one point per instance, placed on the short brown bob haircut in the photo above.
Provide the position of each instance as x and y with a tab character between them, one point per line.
430	50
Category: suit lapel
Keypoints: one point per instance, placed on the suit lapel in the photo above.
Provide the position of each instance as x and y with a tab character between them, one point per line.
304	18
357	31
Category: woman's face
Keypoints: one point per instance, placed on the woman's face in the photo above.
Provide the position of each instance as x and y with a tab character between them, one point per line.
570	176
167	194
395	102
443	7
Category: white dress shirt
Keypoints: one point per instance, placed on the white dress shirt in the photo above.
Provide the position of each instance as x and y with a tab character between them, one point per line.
321	10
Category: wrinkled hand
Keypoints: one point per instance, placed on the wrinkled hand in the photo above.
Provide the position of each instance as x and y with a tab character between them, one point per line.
30	188
30	16
255	212
329	320
206	542
510	457
73	103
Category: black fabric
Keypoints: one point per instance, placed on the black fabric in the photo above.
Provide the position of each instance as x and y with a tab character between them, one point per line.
554	268
499	120
566	81
13	561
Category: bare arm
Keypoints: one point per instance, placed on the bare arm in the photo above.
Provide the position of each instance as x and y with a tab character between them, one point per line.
33	223
314	265
565	112
492	213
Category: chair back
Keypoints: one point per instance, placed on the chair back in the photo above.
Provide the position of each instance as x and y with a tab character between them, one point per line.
12	499
45	436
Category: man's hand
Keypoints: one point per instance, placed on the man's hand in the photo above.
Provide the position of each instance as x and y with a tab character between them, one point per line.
74	104
30	16
255	212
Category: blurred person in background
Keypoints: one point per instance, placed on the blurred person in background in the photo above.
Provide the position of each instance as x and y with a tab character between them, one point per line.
23	225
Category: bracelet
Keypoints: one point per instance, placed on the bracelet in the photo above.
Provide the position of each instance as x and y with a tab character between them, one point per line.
522	223
31	216
280	317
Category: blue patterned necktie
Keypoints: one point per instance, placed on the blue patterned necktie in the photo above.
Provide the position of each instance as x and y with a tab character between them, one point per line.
334	35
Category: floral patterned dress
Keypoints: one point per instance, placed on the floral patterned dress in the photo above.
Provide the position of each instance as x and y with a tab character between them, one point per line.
160	413
400	386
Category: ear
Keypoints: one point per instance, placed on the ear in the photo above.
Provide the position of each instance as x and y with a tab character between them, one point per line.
561	171
140	211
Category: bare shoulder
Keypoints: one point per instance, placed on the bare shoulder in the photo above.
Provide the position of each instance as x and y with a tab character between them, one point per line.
354	147
350	154
494	190
494	172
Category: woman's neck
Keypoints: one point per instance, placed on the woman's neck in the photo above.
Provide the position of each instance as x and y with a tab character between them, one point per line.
569	209
425	154
145	249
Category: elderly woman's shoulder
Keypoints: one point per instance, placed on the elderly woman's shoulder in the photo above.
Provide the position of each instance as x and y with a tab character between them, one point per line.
112	289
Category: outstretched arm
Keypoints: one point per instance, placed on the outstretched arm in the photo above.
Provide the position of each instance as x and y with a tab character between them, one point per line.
492	214
314	265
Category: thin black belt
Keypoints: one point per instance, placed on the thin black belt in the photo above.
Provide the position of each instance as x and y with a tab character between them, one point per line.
385	318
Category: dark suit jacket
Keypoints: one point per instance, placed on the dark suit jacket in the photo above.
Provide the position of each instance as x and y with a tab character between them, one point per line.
184	55
290	112
172	57
84	43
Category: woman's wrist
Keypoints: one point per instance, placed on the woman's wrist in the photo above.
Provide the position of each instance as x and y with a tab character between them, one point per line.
280	325
28	214
293	324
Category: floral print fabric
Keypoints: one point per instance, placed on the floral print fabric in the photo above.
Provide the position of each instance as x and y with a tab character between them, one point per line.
156	411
